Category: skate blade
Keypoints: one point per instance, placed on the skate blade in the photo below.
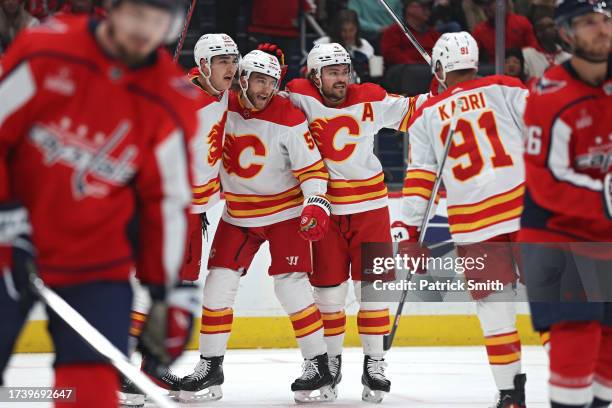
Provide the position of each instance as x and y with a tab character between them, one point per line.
323	394
127	400
372	396
212	393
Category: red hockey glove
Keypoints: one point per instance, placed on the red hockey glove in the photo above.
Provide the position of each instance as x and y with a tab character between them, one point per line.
16	252
607	191
275	50
314	220
168	326
409	246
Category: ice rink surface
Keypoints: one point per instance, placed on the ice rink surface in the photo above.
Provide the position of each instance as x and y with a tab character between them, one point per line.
422	377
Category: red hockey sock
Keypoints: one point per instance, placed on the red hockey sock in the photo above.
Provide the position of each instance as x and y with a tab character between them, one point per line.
573	353
94	384
602	388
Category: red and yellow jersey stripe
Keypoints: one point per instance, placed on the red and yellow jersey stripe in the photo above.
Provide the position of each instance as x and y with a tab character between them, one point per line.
356	191
253	206
490	211
201	195
307	321
316	170
419	183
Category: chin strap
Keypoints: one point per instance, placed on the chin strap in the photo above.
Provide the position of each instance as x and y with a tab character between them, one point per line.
207	79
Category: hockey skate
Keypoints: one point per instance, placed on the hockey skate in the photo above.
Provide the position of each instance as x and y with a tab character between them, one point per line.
204	384
316	376
513	398
375	384
335	369
129	395
161	376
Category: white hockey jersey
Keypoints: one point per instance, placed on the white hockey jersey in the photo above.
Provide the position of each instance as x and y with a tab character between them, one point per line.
345	137
484	173
206	150
270	163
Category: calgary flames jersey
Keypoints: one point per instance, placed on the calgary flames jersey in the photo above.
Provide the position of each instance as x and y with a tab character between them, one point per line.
484	172
270	162
206	148
345	137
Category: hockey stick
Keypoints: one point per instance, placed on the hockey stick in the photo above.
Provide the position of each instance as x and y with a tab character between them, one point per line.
388	339
96	340
408	33
179	46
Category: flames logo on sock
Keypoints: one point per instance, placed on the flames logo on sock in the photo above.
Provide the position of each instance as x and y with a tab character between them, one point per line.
325	132
215	141
236	146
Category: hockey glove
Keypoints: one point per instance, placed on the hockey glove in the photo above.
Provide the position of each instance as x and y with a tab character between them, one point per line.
275	50
314	220
410	247
607	191
16	252
168	327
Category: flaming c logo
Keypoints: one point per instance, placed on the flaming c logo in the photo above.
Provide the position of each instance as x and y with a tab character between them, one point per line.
215	141
234	147
325	131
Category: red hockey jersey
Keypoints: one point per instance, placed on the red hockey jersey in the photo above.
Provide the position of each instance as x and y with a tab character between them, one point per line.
568	152
96	151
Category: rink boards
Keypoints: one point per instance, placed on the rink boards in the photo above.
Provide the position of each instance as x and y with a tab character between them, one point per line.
259	321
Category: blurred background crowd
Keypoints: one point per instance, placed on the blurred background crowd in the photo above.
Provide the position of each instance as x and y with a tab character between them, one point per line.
380	50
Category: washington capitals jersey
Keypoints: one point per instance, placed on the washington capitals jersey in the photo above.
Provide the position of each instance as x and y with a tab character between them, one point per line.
568	152
270	162
96	152
345	137
206	148
483	173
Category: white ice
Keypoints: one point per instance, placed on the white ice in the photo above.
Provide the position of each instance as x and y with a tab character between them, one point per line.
422	377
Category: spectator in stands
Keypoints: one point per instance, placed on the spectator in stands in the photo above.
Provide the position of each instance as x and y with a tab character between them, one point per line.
83	7
519	32
447	16
374	19
547	52
277	22
345	31
42	8
396	48
13	18
514	64
473	14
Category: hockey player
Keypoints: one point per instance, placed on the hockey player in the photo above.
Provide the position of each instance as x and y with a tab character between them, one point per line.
216	57
568	201
271	172
97	190
344	119
484	180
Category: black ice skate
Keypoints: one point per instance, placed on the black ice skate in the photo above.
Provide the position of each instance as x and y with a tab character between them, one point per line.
315	377
204	384
335	369
129	395
161	376
375	384
513	398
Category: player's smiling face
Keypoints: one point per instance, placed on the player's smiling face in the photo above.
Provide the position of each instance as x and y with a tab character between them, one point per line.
261	89
137	30
592	35
223	70
335	82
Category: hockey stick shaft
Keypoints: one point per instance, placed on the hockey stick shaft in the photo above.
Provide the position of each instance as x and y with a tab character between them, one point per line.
408	33
388	339
96	340
179	46
436	186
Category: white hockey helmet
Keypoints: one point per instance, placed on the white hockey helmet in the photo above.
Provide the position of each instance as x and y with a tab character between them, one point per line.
211	45
452	52
262	62
323	55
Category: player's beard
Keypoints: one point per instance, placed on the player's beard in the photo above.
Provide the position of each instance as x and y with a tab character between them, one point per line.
123	54
594	53
336	94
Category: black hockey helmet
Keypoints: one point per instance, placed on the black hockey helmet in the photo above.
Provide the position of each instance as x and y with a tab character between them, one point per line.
176	7
566	10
